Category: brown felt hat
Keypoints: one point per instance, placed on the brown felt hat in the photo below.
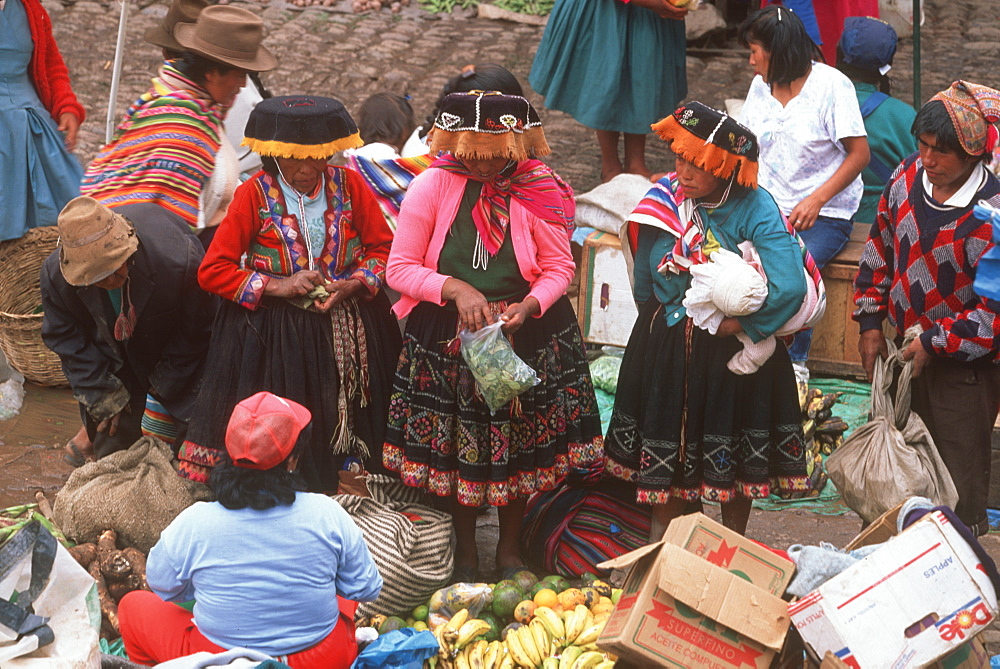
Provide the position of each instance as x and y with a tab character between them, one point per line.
93	241
181	11
227	35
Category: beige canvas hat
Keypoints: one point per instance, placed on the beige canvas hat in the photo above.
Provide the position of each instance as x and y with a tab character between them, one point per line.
228	35
181	11
93	241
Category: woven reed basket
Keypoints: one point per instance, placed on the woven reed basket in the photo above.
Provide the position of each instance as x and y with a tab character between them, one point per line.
20	297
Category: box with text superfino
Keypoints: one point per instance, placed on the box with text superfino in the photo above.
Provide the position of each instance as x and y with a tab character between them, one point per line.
912	601
678	609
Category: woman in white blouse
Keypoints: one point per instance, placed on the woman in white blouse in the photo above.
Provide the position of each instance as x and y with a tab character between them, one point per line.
813	144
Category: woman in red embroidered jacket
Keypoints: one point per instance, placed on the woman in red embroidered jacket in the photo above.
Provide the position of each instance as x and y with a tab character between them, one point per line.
36	105
300	259
482	234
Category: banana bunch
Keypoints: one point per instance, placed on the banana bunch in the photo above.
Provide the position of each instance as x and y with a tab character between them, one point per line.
823	433
458	643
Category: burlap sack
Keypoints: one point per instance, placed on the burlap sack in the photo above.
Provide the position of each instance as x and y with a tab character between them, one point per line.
136	492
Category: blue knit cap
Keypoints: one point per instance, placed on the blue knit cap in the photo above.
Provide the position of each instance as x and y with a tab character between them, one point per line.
868	43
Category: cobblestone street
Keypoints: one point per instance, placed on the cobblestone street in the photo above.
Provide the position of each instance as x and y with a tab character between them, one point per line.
350	56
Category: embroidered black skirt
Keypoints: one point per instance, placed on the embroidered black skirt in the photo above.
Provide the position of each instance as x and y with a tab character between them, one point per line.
684	425
443	438
291	353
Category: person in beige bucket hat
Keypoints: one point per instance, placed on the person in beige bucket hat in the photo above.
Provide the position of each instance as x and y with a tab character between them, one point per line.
124	313
94	244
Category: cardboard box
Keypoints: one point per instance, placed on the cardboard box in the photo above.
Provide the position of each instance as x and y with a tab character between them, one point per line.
919	597
880	531
679	610
605	308
711	541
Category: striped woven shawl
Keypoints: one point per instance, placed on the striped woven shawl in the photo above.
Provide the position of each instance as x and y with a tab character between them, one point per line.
163	151
388	179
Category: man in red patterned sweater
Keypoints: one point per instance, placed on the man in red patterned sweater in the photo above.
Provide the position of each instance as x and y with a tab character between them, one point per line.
918	268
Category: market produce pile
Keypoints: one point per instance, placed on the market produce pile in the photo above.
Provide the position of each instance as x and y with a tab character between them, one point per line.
520	622
117	571
823	433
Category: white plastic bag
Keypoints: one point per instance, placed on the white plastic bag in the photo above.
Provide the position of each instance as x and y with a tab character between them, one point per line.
891	457
11	395
53	621
500	374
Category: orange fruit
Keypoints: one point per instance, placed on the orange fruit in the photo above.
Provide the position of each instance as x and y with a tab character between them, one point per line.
571	597
525	611
547	597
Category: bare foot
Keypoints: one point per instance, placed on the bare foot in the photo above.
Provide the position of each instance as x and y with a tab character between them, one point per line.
79	449
609	174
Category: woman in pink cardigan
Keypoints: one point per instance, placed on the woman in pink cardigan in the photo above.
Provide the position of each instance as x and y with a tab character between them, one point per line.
482	235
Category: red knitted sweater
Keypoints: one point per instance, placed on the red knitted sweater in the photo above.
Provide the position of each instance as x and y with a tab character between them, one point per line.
47	69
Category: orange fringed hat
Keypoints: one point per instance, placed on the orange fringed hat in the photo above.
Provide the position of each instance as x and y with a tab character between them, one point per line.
713	141
488	124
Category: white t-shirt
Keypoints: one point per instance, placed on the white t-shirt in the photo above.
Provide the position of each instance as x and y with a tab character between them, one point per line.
800	145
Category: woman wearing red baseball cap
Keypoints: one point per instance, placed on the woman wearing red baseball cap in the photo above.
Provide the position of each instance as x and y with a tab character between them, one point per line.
270	567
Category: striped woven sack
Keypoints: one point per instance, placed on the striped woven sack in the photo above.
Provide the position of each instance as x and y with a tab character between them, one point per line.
412	544
578	524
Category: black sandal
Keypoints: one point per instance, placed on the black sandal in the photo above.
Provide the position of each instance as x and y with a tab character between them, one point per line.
75	457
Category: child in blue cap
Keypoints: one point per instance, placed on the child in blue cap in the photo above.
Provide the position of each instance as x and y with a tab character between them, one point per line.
864	54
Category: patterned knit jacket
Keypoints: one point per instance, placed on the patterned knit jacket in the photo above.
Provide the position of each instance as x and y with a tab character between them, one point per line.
259	224
163	151
47	69
919	264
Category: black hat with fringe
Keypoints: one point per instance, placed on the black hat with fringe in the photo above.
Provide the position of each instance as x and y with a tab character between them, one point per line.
488	124
300	126
712	140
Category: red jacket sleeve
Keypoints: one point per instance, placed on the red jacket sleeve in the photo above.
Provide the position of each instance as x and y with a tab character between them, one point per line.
369	223
47	69
220	272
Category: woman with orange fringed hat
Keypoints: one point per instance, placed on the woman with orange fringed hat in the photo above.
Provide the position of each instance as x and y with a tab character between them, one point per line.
685	425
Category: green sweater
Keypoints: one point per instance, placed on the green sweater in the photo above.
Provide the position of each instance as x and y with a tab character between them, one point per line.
747	215
889	140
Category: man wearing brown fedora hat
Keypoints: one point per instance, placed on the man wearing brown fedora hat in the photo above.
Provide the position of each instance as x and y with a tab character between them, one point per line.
124	312
162	35
169	148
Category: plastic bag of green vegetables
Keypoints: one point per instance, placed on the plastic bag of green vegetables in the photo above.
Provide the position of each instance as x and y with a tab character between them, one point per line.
604	372
500	374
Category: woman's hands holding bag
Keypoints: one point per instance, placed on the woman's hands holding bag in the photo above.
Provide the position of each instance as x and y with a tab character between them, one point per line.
473	309
518	314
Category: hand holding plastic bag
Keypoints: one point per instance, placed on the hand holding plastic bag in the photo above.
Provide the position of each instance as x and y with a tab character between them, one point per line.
500	374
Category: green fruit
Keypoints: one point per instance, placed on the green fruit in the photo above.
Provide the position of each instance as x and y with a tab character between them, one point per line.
420	612
541	585
525	579
588	578
616	594
508	583
391	623
420	626
556	582
494	632
504	601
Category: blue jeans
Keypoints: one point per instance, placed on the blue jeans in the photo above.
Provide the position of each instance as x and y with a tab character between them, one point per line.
825	239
